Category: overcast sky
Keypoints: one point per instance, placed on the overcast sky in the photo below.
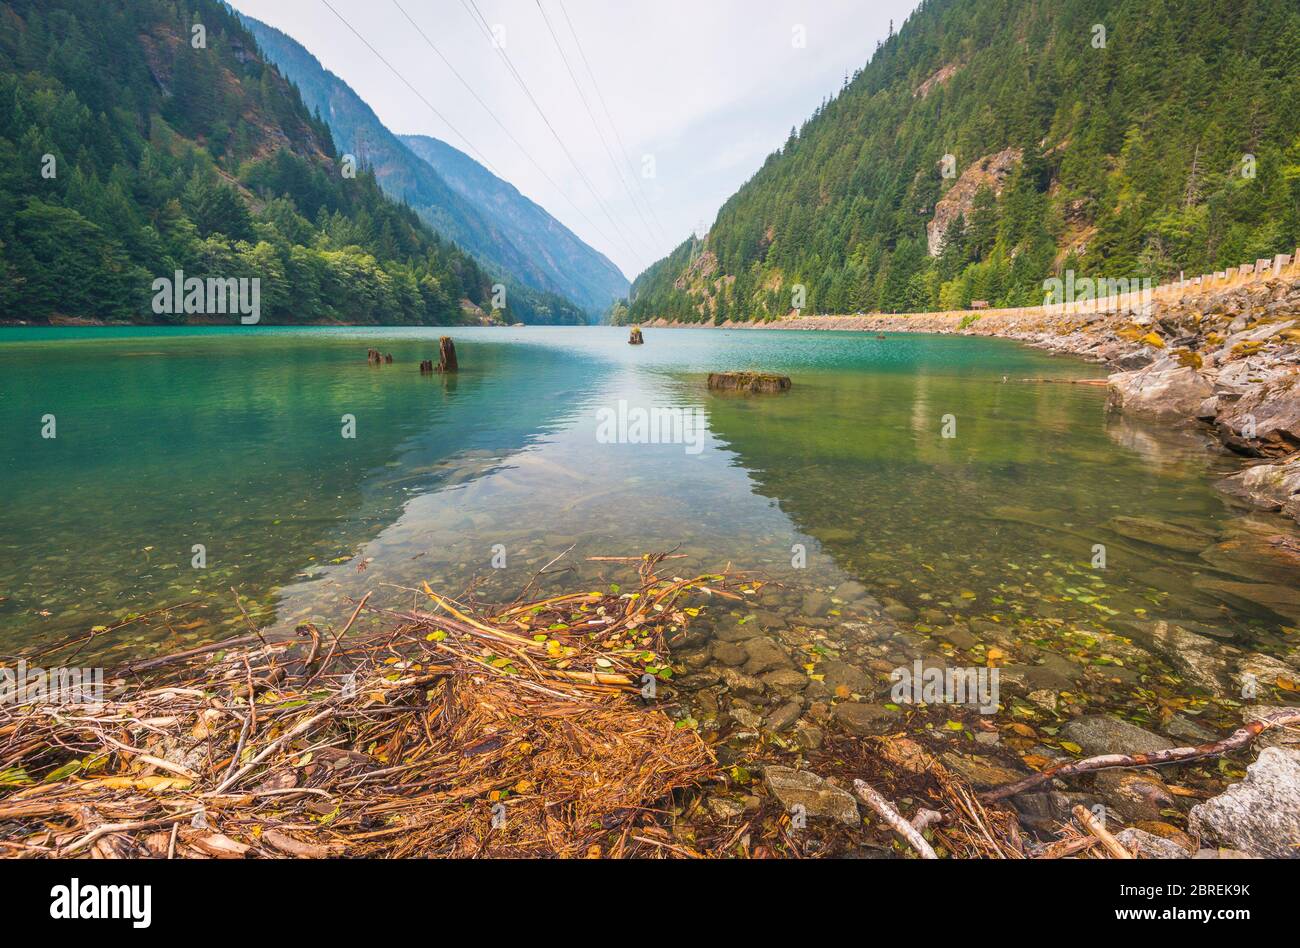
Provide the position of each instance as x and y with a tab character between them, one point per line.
708	88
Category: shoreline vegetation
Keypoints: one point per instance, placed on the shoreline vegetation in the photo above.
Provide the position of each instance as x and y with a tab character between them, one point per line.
546	728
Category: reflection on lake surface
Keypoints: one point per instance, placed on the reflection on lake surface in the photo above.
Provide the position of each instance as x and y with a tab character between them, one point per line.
232	439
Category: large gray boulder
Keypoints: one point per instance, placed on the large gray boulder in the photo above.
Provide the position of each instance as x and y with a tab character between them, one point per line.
1159	393
1261	815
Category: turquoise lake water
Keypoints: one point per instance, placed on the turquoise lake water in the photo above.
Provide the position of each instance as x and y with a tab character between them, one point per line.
233	439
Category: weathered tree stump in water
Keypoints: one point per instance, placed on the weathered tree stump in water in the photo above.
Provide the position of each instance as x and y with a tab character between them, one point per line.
374	357
636	339
447	355
426	367
755	383
388	359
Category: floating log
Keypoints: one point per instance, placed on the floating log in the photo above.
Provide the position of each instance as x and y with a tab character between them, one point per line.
447	355
756	383
636	338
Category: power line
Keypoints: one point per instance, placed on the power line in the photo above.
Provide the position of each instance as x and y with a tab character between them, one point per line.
618	169
391	69
522	150
612	124
477	15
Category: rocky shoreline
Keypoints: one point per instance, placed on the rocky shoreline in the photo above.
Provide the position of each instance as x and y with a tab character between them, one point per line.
790	689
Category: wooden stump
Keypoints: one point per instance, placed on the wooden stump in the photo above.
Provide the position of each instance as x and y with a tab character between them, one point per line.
374	357
426	367
754	383
636	339
388	359
447	355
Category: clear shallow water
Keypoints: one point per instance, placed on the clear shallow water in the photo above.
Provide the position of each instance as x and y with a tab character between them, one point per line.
231	438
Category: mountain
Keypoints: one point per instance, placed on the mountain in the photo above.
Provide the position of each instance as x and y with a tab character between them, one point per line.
145	137
591	278
456	195
1115	138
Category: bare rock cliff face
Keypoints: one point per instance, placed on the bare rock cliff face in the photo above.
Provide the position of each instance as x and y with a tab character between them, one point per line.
991	170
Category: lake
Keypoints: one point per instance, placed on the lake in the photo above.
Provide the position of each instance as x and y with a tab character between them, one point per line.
923	468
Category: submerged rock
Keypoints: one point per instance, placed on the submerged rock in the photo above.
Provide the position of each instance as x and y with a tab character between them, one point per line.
1261	815
850	590
837	674
1159	533
1103	734
783	718
816	603
764	655
1284	600
1198	659
730	653
818	798
786	682
740	684
1271	559
865	720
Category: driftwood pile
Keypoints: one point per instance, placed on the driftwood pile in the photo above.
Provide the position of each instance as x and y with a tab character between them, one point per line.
521	733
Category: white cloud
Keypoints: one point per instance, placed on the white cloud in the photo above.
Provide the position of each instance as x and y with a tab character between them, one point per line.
709	87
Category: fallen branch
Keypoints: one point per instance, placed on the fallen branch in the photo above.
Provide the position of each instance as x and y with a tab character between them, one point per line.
1240	738
895	819
1088	820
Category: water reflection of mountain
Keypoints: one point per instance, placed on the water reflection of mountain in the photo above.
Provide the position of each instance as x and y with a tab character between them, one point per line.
1007	513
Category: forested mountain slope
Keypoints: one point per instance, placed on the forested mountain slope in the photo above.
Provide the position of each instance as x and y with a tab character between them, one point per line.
1117	138
587	276
144	137
454	194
